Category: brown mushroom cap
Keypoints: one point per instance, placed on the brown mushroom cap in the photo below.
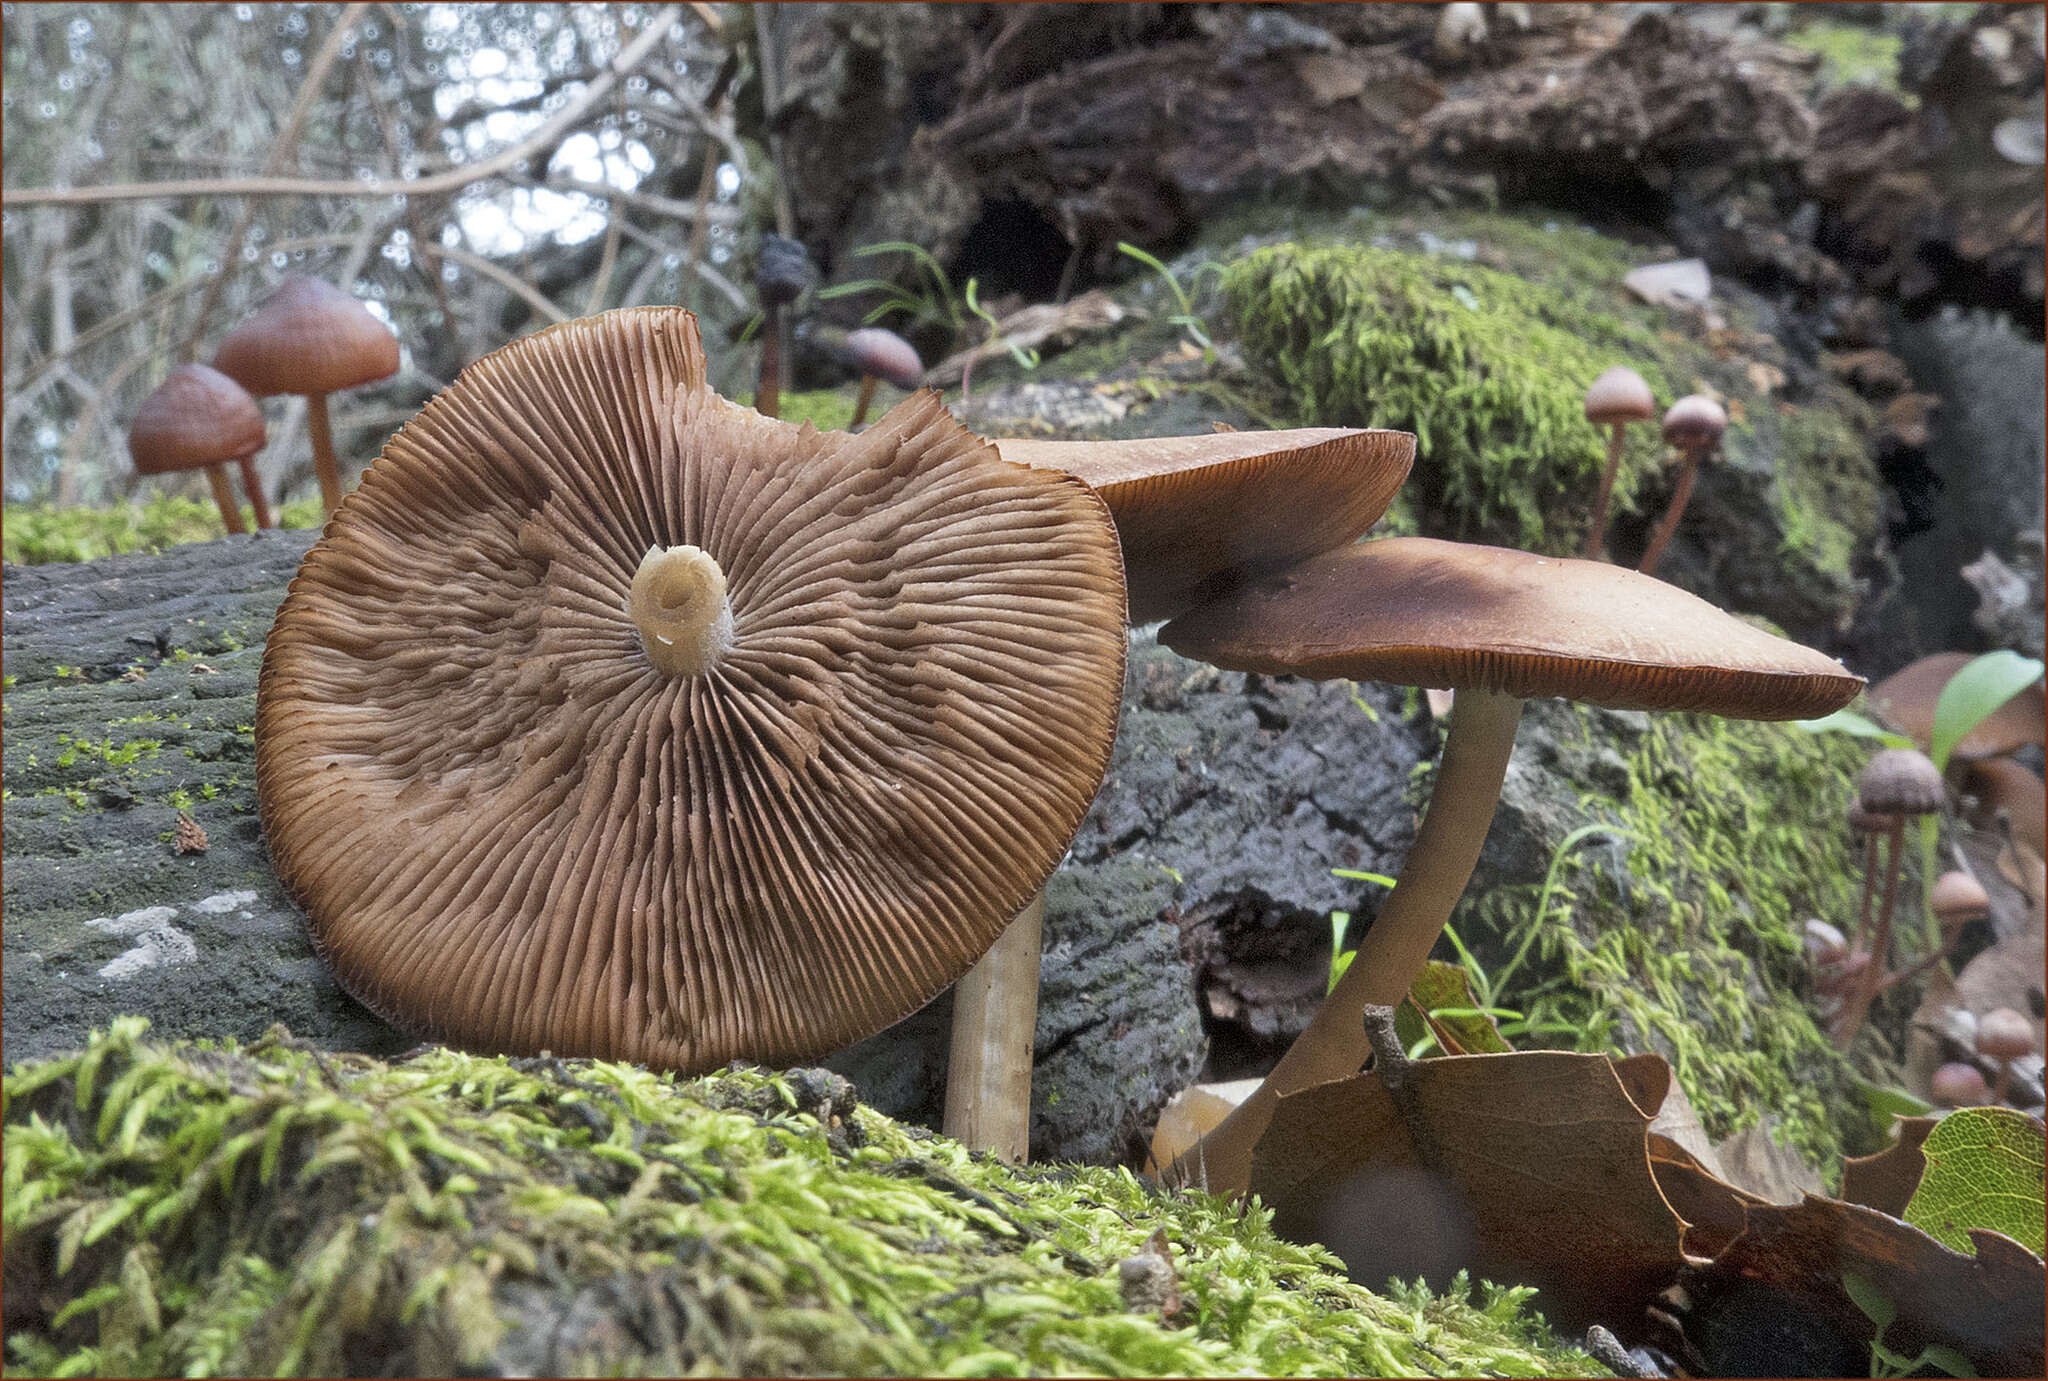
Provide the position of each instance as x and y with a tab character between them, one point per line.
512	831
2000	784
1906	699
1957	897
1417	611
1694	420
197	416
308	337
1957	1085
885	355
1620	395
1900	781
2004	1034
1190	509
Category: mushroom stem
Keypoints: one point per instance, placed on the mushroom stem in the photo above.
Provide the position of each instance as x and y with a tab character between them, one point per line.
1596	535
264	517
995	1012
1396	945
224	495
324	463
1857	1005
1668	524
678	603
867	396
768	397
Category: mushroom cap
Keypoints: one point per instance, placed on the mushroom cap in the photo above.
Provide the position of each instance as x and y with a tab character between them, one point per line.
784	270
1906	699
2004	1034
1694	420
1421	612
885	355
308	337
1193	510
1900	781
511	832
1957	897
2001	784
1958	1085
1864	821
197	416
1620	395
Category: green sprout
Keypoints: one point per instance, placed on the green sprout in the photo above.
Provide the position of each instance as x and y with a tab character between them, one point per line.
936	302
1186	317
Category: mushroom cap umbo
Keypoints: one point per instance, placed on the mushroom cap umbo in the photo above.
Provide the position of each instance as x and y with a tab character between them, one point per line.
1193	511
784	270
1957	897
1907	699
1620	395
308	337
1900	781
885	355
197	416
1694	421
2004	1033
512	831
1421	612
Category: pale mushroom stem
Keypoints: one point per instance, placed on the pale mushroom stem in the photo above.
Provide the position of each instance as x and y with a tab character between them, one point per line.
1596	535
324	464
678	603
264	517
995	1012
1871	982
867	396
1668	524
224	495
1396	945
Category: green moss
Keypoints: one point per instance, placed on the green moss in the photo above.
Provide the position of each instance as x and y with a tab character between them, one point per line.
829	409
1851	54
269	1210
1488	370
1734	837
1825	493
36	533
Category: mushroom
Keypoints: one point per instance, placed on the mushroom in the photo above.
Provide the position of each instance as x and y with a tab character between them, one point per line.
1196	512
1998	786
1959	1085
613	719
780	279
1498	626
2004	1035
1896	783
880	354
311	338
200	419
1907	699
1617	398
1694	425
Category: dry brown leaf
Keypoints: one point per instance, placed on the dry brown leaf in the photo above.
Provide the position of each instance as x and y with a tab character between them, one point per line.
1754	1160
1886	1181
1531	1167
191	839
1715	1211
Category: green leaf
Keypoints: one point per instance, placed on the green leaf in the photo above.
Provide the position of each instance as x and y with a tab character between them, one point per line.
1381	878
1973	693
1888	1102
1984	1170
1849	722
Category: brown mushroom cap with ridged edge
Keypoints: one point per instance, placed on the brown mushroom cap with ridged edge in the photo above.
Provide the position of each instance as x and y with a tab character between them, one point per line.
1416	611
308	337
613	719
1193	511
196	417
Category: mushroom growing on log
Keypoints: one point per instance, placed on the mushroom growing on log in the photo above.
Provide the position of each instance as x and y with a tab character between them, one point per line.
200	419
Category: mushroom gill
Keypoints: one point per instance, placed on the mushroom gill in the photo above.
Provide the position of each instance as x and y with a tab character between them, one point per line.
611	718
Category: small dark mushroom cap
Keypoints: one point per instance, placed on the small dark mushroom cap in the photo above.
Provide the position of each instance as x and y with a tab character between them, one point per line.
1900	781
1957	897
2004	1034
1906	699
885	355
196	417
1191	510
512	831
308	337
784	271
1420	612
1694	420
1620	395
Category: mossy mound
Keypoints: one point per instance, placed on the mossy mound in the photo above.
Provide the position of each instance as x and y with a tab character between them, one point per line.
39	533
180	1209
1682	933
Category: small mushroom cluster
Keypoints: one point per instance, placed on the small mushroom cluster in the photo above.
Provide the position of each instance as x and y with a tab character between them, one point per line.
308	338
1693	426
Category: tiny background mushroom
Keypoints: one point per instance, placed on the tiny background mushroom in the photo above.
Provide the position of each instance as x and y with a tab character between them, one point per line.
200	419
